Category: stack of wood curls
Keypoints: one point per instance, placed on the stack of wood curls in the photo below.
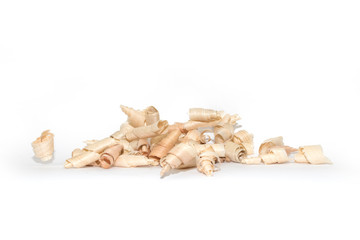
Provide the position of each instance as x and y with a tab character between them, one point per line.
208	138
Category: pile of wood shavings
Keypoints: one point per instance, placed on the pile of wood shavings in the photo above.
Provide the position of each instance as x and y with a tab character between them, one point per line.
208	138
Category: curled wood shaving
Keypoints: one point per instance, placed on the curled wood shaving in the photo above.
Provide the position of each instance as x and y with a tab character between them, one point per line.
151	115
128	161
206	160
162	147
245	139
136	118
182	155
43	146
275	142
312	154
204	115
234	152
108	157
223	132
275	155
147	131
269	143
82	160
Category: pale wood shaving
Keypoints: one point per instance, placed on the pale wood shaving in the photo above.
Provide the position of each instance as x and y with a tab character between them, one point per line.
204	115
275	155
206	160
234	152
43	146
147	131
151	115
129	161
313	154
108	157
136	118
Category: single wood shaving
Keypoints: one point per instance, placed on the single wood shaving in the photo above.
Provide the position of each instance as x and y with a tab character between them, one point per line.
147	131
82	160
43	146
108	157
162	147
313	154
223	132
234	152
136	118
129	161
206	160
204	115
151	115
182	154
275	155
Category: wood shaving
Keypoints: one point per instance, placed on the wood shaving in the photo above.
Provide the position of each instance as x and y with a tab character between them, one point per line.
208	138
204	115
152	130
108	157
206	160
311	154
275	155
43	146
151	115
136	118
129	161
234	152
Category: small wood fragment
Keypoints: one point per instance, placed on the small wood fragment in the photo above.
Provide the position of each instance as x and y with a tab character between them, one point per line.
204	115
43	146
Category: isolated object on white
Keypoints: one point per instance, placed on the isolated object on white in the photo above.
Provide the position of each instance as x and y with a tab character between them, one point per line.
43	146
311	154
146	140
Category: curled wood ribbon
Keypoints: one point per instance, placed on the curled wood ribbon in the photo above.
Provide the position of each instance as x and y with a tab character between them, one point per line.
147	131
244	138
91	153
108	157
275	155
83	159
223	132
151	115
275	142
78	151
205	162
234	152
204	115
136	118
181	156
130	160
311	154
124	129
161	148
43	146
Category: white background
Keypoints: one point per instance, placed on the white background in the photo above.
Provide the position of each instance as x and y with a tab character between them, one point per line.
288	68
